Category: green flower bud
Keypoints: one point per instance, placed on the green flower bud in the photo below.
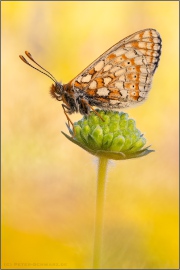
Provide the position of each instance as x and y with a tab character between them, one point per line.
97	137
85	130
107	140
117	143
116	137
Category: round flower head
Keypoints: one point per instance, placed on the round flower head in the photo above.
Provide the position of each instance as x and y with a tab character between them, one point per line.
115	138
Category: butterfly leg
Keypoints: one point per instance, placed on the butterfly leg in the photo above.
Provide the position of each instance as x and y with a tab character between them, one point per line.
85	102
66	114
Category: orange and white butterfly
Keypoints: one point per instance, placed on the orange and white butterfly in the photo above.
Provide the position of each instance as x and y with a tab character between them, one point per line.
121	77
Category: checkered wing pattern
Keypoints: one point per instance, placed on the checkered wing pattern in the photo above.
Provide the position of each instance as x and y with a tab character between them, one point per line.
122	76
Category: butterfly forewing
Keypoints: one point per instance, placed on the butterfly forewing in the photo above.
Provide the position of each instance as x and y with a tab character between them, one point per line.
122	76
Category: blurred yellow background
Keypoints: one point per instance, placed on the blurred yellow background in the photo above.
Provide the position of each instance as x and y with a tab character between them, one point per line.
48	183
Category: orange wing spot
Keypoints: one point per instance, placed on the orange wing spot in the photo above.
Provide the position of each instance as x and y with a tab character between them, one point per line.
91	92
135	44
111	56
92	71
138	68
114	93
100	82
134	69
150	39
141	35
84	85
134	95
132	62
131	86
129	62
132	77
78	85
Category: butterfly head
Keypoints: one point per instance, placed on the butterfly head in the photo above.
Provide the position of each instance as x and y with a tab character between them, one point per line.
57	91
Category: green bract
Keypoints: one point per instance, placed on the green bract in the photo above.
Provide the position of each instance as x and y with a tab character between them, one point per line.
115	138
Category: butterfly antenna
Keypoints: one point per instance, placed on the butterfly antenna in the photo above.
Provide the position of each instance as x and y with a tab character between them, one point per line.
48	74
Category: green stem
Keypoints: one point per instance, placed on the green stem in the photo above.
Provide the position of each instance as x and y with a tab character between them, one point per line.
100	199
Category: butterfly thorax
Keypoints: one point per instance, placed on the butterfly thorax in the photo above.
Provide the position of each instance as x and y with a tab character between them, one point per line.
72	97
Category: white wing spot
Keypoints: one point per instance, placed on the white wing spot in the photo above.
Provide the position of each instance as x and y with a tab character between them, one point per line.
107	67
138	60
154	33
99	66
146	34
156	47
93	85
156	40
128	45
120	72
136	37
103	91
130	54
120	51
124	93
119	85
115	69
144	70
79	79
122	78
142	45
87	78
107	80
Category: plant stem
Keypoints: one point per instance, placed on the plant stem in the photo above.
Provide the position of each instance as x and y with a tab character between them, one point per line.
100	199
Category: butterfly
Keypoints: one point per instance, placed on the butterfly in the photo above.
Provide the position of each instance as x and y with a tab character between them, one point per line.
121	77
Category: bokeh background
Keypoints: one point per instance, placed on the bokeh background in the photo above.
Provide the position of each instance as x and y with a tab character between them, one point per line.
49	184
